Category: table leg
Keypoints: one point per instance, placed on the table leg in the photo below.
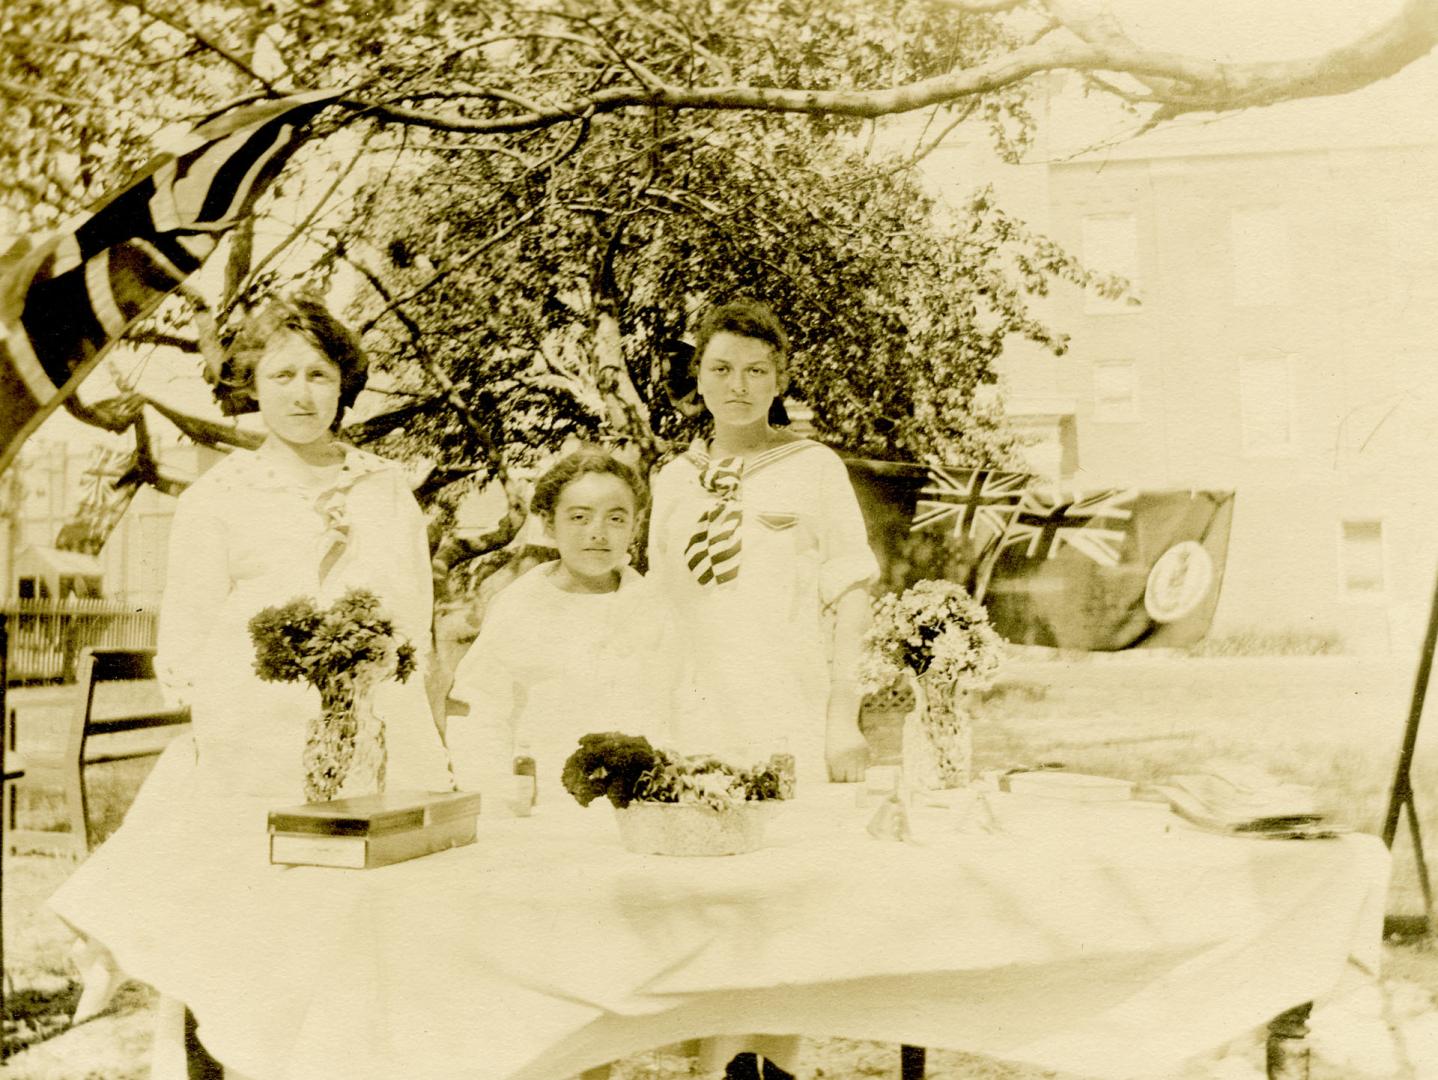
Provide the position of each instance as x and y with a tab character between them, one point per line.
1287	1045
912	1062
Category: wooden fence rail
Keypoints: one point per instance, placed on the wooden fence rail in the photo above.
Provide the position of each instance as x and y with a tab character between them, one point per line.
46	636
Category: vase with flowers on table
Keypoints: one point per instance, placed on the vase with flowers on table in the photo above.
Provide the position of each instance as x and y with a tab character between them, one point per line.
937	638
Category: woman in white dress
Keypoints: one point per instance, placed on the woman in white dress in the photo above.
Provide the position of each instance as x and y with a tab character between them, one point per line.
758	546
570	647
304	515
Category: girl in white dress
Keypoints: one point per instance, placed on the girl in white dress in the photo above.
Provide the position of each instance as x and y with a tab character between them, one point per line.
570	647
304	515
758	546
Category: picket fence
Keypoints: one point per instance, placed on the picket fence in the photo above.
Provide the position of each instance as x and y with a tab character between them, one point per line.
46	636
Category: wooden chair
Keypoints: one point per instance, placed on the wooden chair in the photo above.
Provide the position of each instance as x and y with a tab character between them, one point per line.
117	694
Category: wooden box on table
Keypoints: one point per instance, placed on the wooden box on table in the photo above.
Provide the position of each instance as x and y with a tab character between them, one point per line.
372	830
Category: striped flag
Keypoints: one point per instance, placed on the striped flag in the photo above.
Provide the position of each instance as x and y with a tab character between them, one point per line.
64	300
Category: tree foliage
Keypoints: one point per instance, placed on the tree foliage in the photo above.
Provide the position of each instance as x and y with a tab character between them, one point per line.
554	186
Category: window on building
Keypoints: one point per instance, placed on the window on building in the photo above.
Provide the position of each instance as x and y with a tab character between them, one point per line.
1362	558
1258	246
1110	246
1115	396
1265	396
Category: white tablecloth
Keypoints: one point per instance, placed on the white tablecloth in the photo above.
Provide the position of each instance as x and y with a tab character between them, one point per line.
1109	940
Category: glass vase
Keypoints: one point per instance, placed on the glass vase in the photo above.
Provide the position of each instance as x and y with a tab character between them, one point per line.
345	751
938	749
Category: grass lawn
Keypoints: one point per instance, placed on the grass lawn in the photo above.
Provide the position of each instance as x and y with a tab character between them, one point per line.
1331	721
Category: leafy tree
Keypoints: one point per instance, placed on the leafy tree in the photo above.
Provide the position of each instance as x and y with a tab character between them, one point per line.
576	176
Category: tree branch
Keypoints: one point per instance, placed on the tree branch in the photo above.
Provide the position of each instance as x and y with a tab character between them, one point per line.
986	7
23	93
159	337
376	427
299	230
95	54
1196	84
209	433
214	47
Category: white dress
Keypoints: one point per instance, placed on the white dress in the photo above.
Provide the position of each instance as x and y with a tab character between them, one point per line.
244	537
549	666
755	675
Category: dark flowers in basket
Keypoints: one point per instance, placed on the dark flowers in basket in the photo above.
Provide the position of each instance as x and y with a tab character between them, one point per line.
610	765
626	769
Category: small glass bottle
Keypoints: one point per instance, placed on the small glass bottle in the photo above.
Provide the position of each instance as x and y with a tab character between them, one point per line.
524	766
782	762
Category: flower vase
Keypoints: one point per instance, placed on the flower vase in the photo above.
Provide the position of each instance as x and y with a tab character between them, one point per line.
938	749
345	752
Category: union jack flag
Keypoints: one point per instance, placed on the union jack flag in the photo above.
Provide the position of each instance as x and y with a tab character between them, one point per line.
104	498
1094	525
981	502
66	299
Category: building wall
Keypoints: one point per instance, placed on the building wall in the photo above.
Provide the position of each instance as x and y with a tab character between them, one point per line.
1286	347
49	475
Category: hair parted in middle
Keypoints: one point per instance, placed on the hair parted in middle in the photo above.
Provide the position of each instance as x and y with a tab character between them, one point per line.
306	316
579	463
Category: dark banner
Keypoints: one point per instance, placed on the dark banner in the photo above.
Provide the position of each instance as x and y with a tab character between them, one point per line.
66	298
1096	571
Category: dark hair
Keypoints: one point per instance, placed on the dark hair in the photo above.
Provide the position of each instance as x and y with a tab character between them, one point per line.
588	459
307	317
747	318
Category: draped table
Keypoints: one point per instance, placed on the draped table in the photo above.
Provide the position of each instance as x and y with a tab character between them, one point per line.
1111	940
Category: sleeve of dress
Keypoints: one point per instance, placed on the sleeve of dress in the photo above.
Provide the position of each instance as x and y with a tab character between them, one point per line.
412	605
846	558
481	744
661	506
197	581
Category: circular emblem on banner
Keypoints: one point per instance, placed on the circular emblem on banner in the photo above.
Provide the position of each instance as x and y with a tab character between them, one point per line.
1178	582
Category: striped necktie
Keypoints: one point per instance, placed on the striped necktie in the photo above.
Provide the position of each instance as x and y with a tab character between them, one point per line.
713	550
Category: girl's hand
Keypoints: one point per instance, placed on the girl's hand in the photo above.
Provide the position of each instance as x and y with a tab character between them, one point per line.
847	758
846	751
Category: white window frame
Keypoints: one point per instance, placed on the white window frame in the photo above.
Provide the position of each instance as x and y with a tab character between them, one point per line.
1251	448
1122	414
1125	264
1346	591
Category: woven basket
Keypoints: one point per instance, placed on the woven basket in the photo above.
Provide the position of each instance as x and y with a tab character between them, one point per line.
651	828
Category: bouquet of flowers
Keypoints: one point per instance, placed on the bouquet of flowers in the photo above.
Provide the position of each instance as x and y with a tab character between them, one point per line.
342	651
934	630
939	637
626	769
